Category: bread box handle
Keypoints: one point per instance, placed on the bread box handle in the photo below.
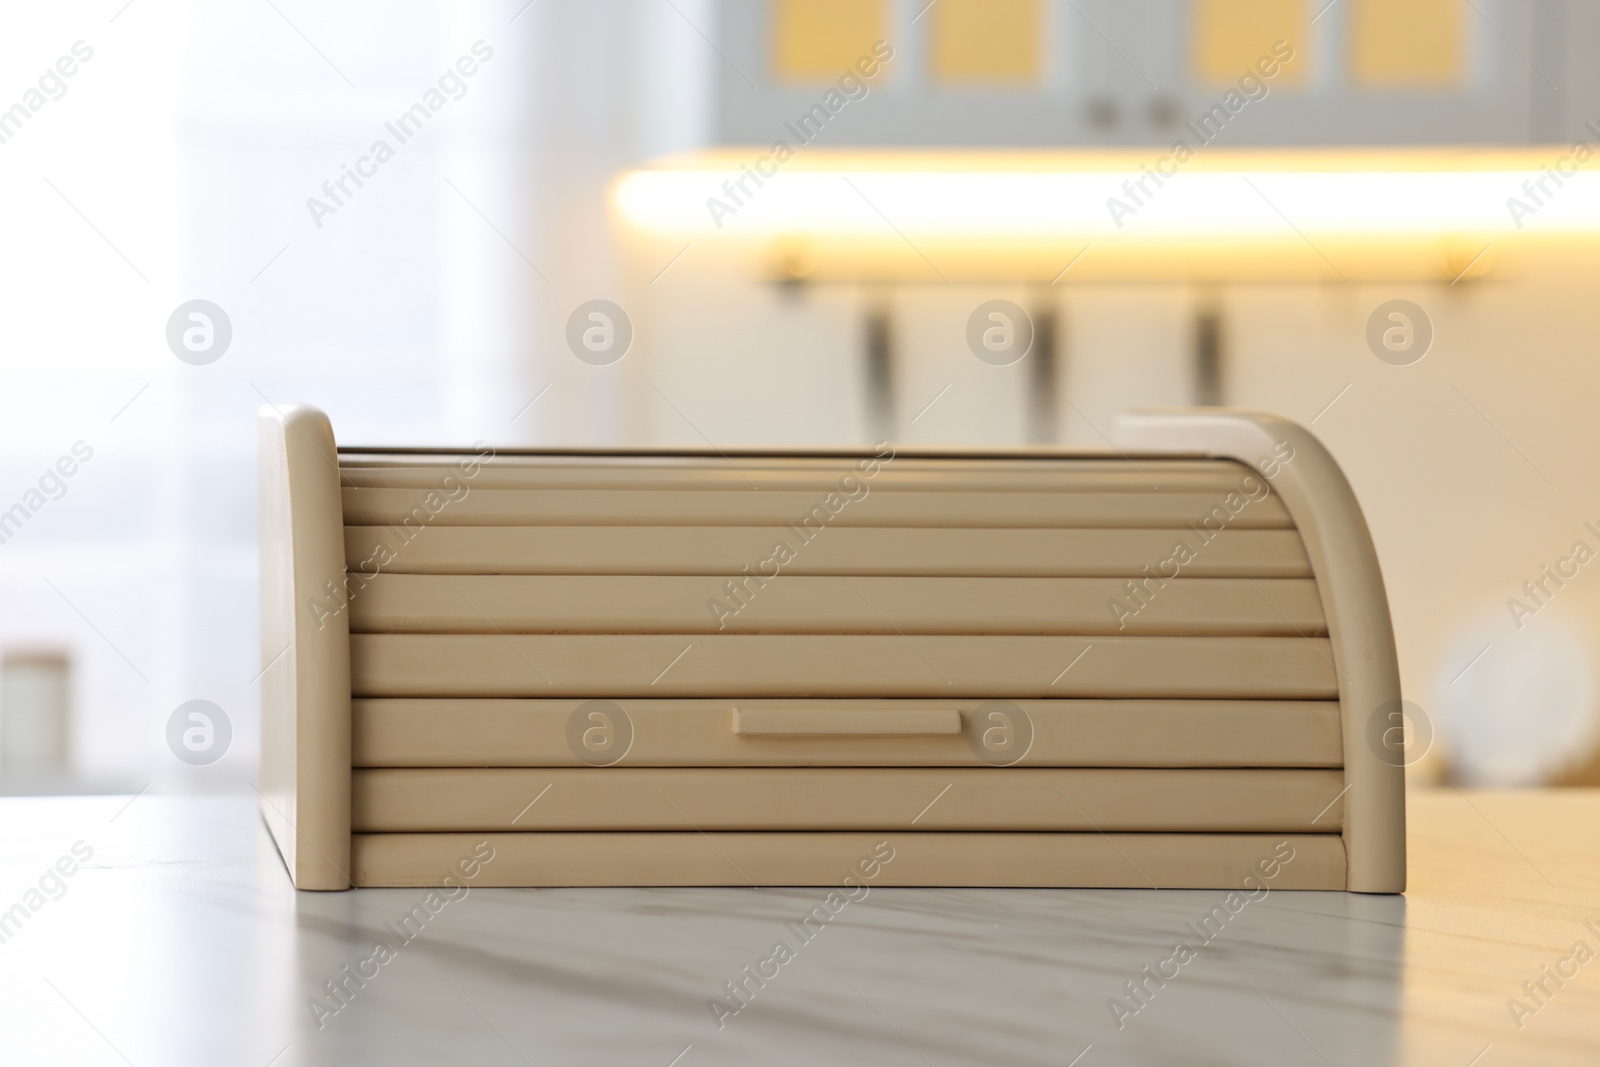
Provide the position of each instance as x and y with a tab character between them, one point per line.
846	722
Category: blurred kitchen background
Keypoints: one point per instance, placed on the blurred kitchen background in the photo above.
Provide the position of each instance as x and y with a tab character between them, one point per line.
195	152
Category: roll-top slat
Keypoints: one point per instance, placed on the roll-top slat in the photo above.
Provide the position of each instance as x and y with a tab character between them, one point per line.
692	858
420	603
858	507
462	732
728	665
760	474
437	549
904	799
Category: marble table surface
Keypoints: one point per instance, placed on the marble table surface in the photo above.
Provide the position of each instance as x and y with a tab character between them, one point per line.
176	939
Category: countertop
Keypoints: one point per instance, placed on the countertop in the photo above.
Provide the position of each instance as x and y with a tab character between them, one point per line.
177	939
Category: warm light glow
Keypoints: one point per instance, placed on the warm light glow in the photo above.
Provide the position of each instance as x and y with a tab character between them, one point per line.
1095	198
1334	215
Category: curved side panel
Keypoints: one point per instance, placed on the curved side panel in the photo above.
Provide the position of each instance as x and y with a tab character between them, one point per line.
1329	518
305	649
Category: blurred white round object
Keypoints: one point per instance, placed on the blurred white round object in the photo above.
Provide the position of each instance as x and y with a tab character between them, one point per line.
1515	707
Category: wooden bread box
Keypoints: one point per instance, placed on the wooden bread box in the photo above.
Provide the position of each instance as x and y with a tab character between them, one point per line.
1154	667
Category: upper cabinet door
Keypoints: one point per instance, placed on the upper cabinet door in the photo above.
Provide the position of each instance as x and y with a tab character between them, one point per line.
1339	72
949	72
1150	72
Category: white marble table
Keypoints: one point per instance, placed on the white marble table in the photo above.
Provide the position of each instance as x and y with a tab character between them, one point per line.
180	941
